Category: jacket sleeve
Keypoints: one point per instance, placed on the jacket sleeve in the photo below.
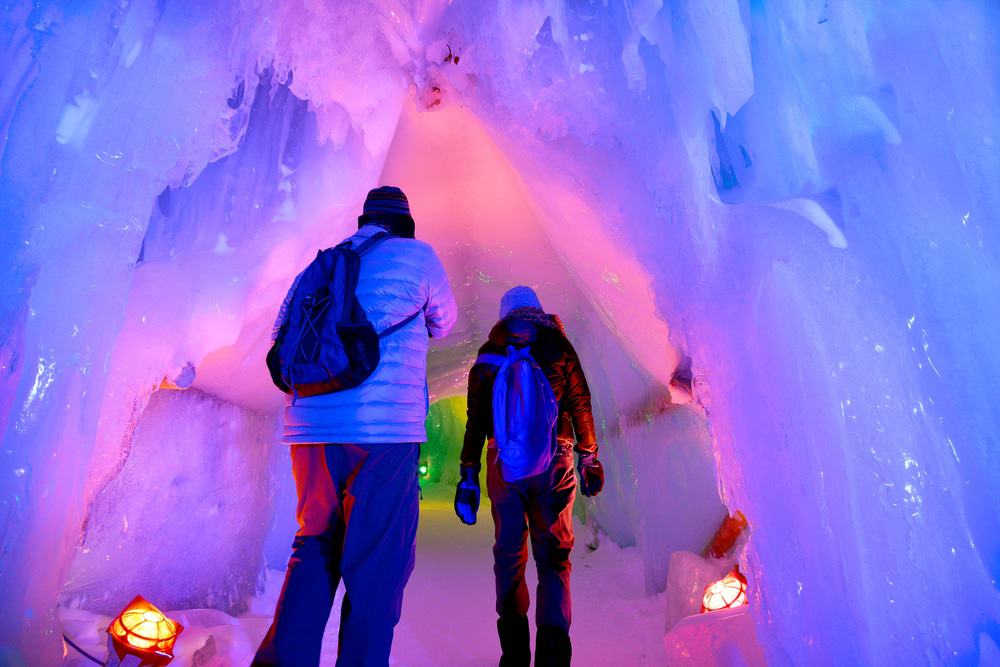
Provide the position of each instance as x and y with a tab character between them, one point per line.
480	412
441	310
578	402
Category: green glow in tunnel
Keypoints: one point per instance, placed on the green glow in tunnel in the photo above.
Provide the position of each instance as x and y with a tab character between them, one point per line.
445	429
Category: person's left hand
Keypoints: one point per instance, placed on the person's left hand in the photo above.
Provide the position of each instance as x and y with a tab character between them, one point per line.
591	474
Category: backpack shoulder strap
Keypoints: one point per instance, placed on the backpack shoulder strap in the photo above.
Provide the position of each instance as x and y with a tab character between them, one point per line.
352	258
388	331
491	359
371	242
362	247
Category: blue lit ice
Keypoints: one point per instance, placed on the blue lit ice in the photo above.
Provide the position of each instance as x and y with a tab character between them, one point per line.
800	196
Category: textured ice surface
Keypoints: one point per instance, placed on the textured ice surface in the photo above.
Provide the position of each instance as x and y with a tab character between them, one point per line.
805	192
183	520
725	638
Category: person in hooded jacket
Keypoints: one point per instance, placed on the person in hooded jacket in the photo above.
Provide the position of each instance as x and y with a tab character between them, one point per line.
355	456
540	506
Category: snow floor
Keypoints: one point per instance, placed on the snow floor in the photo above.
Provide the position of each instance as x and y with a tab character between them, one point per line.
448	614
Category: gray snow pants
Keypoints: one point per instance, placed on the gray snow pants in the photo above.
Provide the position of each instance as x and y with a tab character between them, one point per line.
542	507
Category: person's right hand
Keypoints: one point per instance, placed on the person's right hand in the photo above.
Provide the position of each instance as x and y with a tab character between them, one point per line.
467	495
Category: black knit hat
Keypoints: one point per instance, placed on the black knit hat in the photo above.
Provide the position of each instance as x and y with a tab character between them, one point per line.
386	199
388	207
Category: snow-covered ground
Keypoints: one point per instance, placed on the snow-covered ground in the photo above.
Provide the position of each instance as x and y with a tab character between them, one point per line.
448	616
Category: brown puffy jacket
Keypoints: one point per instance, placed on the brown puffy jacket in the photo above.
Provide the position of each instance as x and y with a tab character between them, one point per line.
557	358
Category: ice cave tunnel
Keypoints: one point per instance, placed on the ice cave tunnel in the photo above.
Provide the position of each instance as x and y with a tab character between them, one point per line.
770	227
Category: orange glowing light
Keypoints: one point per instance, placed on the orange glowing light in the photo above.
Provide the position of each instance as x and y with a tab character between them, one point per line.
726	593
727	535
145	631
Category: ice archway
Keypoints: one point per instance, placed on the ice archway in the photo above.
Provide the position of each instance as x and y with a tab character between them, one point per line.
804	193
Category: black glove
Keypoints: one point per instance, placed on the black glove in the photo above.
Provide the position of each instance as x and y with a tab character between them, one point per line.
467	494
591	474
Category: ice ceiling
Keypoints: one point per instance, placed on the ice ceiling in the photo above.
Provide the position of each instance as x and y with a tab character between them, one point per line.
798	196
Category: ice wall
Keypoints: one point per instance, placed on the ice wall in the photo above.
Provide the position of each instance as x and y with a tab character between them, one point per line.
804	191
183	521
120	272
84	84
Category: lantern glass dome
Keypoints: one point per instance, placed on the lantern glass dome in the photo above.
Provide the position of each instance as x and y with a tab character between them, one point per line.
143	627
726	593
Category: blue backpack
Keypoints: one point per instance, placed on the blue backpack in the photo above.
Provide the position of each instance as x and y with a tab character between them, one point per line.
326	343
525	412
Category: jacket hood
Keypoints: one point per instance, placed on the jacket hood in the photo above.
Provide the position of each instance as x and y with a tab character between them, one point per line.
517	298
520	327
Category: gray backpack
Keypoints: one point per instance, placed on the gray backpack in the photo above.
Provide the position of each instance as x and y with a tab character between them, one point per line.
525	412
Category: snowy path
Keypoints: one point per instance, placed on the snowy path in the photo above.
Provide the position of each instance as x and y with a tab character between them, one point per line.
448	612
448	617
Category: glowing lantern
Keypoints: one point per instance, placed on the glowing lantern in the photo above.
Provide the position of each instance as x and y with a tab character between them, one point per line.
144	632
726	593
423	469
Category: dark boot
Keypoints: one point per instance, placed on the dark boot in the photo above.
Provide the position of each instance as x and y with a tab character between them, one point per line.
515	641
552	647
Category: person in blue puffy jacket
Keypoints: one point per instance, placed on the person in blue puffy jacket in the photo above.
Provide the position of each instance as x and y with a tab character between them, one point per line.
355	456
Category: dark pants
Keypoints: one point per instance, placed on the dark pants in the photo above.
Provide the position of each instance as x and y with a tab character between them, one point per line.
357	514
540	507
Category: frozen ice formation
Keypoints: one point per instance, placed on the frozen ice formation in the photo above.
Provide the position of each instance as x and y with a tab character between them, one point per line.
203	469
800	196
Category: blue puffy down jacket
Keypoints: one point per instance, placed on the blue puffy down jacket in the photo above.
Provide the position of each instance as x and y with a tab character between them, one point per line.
398	277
